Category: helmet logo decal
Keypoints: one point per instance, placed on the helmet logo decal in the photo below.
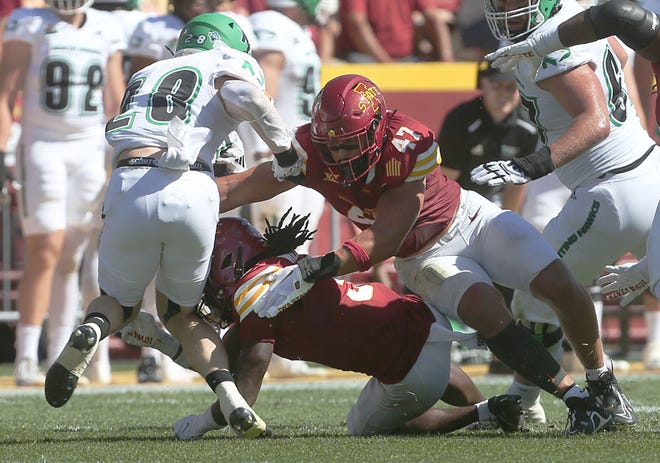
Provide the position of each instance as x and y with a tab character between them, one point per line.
369	97
332	133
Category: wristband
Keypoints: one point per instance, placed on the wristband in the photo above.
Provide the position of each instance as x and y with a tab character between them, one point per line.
287	158
314	269
359	254
535	165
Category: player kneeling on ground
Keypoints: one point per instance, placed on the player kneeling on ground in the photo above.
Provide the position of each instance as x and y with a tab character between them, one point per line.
398	340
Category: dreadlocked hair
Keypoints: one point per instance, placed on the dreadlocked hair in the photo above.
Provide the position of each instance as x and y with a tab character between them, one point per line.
282	239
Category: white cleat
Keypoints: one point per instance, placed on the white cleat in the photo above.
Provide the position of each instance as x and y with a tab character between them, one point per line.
28	373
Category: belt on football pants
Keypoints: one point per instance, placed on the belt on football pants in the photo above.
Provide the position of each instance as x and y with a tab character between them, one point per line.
633	165
152	162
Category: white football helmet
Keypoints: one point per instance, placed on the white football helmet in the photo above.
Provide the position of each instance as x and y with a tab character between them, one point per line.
68	7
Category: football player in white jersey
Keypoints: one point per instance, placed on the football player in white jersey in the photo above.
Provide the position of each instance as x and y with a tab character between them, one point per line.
162	203
66	61
155	37
593	140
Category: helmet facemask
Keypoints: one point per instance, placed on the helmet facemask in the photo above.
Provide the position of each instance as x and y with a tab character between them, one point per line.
364	142
69	7
517	24
349	114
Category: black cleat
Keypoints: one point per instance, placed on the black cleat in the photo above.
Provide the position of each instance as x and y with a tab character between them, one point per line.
246	423
609	393
62	377
148	371
586	415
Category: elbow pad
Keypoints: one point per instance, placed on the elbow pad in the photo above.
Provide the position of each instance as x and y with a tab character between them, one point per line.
635	26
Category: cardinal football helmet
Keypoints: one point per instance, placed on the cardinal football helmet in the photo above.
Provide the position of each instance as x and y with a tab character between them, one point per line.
68	7
518	23
206	31
350	114
237	243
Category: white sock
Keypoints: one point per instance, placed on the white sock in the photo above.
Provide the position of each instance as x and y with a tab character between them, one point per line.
528	394
27	342
652	318
205	422
230	398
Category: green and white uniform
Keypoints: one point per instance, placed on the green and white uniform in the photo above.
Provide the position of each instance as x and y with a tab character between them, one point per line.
614	192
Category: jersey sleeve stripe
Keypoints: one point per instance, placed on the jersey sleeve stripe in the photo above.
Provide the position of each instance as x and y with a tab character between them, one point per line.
426	163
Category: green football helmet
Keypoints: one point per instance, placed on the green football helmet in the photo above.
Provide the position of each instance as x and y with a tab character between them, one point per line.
308	5
518	23
206	31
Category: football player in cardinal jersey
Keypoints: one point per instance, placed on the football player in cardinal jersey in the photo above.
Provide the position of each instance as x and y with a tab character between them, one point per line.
370	329
381	169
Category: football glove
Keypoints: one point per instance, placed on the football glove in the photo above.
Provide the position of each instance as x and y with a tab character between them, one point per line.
495	173
285	287
625	281
534	49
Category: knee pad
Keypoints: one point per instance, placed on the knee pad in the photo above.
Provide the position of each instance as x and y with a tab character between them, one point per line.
635	26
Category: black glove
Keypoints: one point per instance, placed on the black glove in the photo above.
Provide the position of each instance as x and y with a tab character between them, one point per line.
318	268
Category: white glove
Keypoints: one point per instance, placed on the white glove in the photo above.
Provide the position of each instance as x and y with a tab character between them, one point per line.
507	58
281	173
625	281
285	287
144	331
495	173
534	49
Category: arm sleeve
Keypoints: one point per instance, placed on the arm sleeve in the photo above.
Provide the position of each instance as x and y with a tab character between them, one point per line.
246	102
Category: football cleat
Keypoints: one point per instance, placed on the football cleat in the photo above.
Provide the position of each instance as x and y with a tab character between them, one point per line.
507	412
609	393
586	415
185	429
28	373
62	377
149	371
247	424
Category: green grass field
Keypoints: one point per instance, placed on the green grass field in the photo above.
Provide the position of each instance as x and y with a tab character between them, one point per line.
133	424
